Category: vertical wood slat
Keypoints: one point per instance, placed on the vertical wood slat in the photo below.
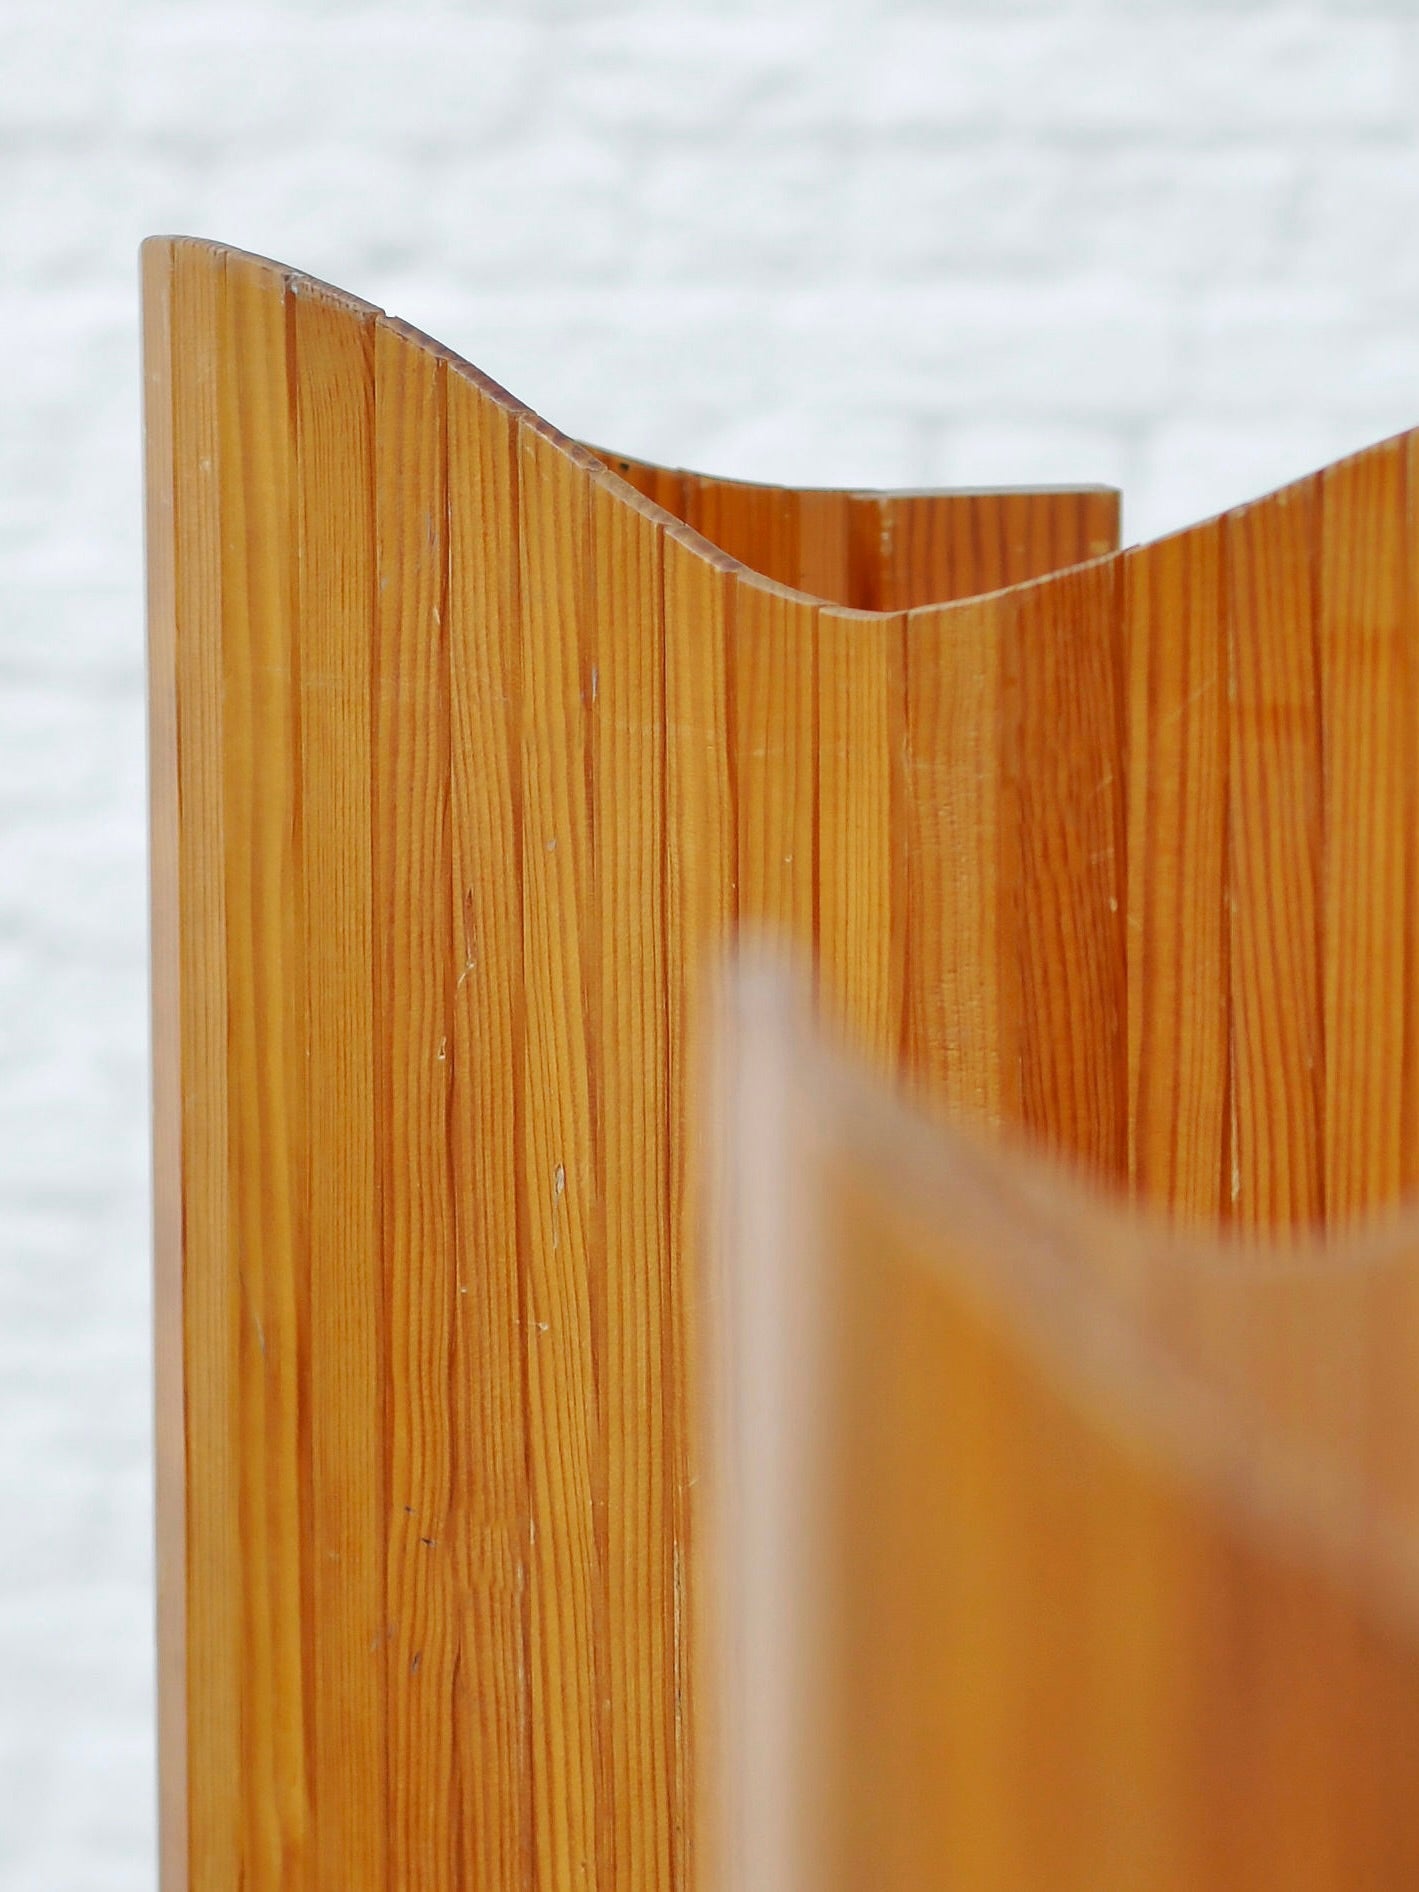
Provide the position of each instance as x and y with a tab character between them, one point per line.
663	484
824	546
979	1651
1177	785
932	548
332	356
701	879
758	525
268	1160
977	551
163	389
772	667
1392	1410
982	786
1365	684
1048	532
638	1389
870	544
1064	732
209	1314
1274	842
491	1527
1150	1601
559	1158
928	555
861	864
413	932
885	551
961	1031
1231	1624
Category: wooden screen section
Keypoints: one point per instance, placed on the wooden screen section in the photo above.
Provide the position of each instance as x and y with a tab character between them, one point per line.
465	755
1045	1571
470	748
885	551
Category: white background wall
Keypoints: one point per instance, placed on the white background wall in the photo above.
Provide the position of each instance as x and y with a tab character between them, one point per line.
1169	243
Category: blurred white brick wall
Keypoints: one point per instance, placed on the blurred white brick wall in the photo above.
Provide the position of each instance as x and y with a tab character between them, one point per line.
1168	243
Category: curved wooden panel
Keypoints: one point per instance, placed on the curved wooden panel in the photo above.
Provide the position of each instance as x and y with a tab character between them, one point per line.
1061	1551
467	757
882	551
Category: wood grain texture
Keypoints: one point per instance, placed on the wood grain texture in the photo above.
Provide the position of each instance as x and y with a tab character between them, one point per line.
210	1542
470	755
1274	850
1064	714
160	392
701	906
333	359
861	859
962	973
773	681
268	1076
1088	1613
1367	812
824	566
565	1227
412	866
491	1529
638	1385
884	551
931	552
1178	1056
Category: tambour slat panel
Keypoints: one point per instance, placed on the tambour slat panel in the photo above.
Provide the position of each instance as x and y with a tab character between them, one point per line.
961	1039
210	1282
1047	532
929	555
701	877
563	1220
924	555
933	547
885	551
869	552
412	869
1367	813
639	1393
267	1069
664	484
335	597
1273	840
758	525
976	552
772	672
1064	735
824	546
861	862
1082	1621
199	1643
1178	1054
491	1525
165	950
466	764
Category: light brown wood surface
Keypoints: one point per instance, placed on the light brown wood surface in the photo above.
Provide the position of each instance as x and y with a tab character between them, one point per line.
1062	1549
885	551
471	750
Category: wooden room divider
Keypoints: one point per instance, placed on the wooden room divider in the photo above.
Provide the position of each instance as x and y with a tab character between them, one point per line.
1066	1552
471	748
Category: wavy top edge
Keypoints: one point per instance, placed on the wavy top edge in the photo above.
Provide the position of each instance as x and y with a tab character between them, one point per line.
630	476
1093	1289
